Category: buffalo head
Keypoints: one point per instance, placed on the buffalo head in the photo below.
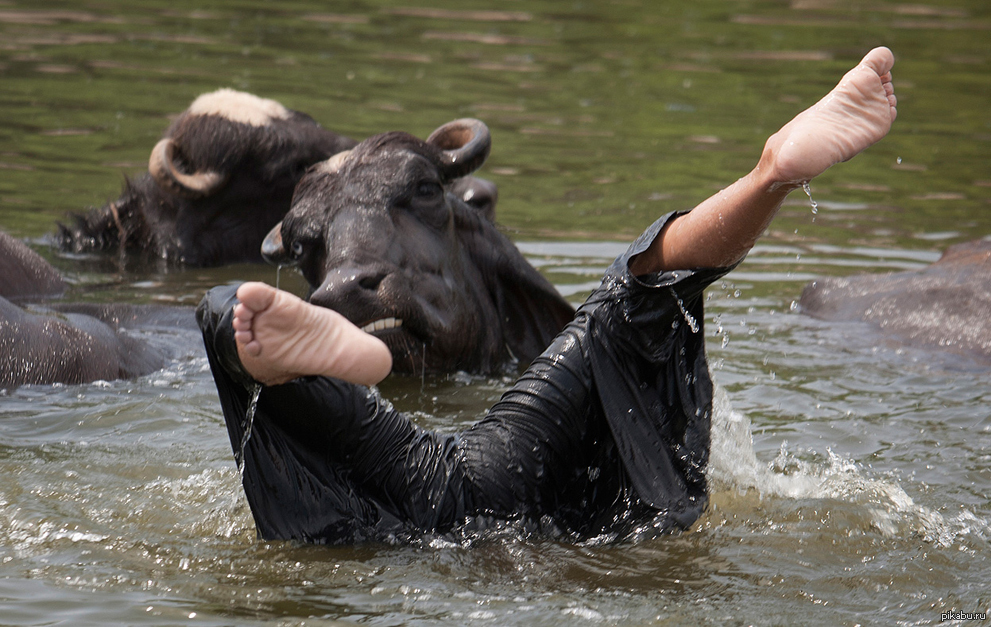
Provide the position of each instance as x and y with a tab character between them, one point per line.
221	177
384	236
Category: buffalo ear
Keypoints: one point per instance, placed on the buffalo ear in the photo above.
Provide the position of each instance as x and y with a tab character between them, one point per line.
479	194
464	145
531	312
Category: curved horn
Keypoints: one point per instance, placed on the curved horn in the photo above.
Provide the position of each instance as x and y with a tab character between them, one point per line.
272	249
333	164
465	145
161	166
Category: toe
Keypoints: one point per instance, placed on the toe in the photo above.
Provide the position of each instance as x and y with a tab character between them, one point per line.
881	60
256	296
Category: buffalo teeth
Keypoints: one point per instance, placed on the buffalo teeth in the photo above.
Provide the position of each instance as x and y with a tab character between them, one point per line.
384	323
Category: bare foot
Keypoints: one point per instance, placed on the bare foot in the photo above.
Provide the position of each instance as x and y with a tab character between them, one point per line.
857	113
281	337
720	231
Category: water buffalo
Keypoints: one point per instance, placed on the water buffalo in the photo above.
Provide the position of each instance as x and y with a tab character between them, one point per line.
24	273
221	177
946	305
219	180
380	239
66	343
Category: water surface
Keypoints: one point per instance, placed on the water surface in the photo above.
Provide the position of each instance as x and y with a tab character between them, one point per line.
851	474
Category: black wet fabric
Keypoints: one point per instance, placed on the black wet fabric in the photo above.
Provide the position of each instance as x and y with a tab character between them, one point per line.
606	434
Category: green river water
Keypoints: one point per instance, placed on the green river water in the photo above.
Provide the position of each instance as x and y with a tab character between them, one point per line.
851	475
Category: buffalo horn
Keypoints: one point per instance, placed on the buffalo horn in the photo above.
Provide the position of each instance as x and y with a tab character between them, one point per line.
332	165
465	145
162	167
272	249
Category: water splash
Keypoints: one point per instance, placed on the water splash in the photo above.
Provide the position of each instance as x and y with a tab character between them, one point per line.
249	421
734	467
808	192
692	322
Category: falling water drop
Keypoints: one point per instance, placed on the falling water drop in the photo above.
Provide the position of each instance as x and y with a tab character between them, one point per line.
278	275
249	421
808	192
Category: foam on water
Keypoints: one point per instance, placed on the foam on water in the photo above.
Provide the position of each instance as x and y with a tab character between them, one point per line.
734	467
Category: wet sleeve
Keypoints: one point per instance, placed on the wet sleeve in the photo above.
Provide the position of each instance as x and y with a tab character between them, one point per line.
633	357
652	377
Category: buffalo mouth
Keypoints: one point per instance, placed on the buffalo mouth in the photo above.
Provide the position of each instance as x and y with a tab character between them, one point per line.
405	341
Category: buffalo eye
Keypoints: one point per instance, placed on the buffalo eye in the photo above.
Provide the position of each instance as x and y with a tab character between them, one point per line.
427	191
296	250
427	204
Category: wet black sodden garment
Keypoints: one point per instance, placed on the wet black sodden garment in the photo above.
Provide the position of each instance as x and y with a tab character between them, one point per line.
605	435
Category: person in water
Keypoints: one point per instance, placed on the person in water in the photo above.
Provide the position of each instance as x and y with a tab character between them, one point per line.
605	435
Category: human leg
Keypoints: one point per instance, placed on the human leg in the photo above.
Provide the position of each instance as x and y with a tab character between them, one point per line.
281	337
720	231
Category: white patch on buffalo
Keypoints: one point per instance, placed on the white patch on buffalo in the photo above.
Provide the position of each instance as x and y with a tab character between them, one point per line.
238	106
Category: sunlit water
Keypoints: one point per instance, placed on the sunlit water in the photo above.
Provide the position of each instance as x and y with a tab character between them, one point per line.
850	474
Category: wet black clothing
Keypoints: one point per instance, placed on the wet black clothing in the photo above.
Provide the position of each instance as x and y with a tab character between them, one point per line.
605	434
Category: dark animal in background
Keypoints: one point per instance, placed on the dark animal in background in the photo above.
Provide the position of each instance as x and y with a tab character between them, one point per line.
218	181
62	343
221	177
381	240
946	306
24	274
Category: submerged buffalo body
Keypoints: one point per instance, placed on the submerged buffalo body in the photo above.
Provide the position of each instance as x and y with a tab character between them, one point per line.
24	274
946	305
218	181
60	343
381	237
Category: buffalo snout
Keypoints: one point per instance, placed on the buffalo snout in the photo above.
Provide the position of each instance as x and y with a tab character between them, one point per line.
352	289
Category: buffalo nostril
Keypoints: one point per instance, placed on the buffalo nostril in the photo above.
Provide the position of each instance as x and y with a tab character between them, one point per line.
351	289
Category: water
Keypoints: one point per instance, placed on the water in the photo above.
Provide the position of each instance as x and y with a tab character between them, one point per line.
850	474
808	192
249	423
692	322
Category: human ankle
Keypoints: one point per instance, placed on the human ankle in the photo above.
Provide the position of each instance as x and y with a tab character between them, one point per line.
769	176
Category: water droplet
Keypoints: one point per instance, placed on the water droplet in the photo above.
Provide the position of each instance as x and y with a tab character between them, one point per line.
249	421
692	323
808	192
898	160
